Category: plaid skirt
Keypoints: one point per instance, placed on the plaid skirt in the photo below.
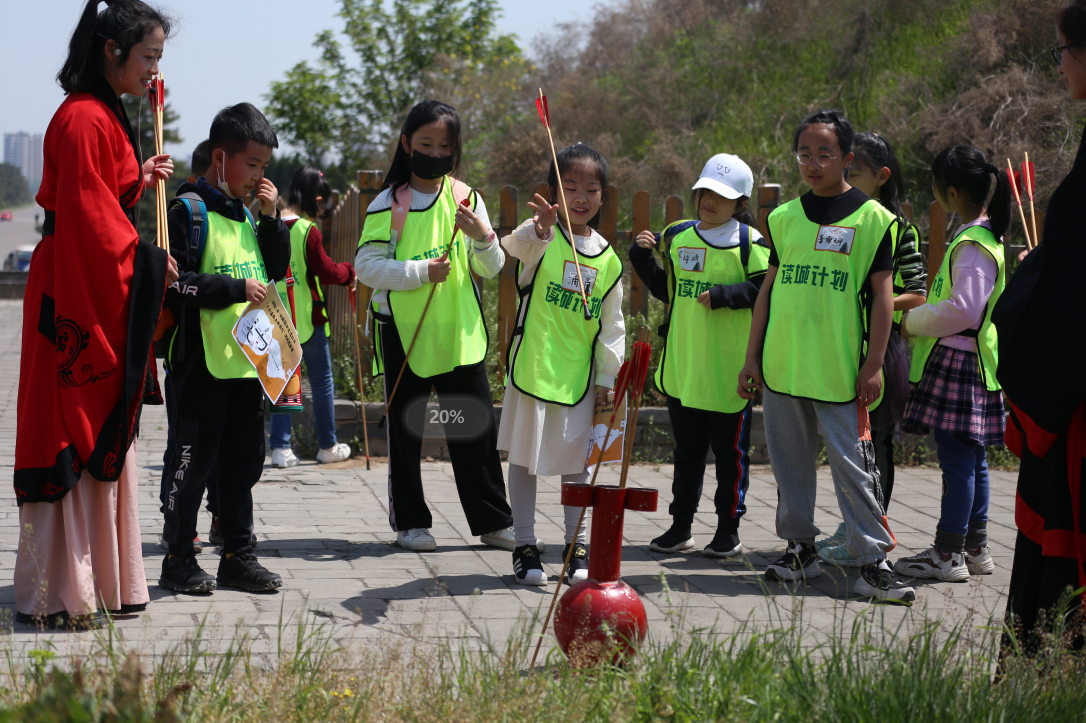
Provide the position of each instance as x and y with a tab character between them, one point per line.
951	396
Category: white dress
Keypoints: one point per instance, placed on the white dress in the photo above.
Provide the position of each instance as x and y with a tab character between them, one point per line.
550	439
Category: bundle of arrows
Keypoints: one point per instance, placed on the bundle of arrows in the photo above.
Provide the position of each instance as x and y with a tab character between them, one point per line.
156	91
1024	181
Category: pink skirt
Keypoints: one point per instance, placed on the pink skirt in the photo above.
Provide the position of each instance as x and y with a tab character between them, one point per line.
83	552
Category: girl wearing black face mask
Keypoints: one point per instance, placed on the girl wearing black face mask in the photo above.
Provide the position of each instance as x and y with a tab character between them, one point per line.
401	253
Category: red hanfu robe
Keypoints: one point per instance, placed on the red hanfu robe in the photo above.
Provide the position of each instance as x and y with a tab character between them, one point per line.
92	302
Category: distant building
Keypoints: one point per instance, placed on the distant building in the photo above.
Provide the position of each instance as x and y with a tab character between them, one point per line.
24	151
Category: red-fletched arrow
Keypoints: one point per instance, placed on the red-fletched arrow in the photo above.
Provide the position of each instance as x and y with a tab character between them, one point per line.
1027	174
544	112
1028	177
1014	178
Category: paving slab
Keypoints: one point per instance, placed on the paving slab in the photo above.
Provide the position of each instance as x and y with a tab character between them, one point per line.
325	529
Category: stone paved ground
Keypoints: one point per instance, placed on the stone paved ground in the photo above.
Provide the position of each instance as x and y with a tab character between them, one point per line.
325	530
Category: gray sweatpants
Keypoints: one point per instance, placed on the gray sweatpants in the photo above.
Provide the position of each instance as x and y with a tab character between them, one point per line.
791	430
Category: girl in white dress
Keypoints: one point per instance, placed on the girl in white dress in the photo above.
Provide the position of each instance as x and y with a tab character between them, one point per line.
566	350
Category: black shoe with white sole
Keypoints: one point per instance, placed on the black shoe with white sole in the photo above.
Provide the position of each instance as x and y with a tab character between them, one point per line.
181	573
527	568
676	539
879	582
724	544
799	562
578	563
243	571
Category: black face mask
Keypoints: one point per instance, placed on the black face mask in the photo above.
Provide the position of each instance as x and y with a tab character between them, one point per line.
428	167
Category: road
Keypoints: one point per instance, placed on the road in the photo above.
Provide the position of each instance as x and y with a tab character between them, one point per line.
20	231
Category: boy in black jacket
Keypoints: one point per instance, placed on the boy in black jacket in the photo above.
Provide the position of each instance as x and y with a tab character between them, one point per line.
220	403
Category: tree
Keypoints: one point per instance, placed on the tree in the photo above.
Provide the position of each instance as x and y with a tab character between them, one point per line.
14	190
403	51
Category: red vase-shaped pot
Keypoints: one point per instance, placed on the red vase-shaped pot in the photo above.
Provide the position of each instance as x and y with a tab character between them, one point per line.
600	622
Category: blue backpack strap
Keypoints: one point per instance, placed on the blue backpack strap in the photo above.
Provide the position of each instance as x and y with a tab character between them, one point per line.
250	217
197	227
674	229
744	245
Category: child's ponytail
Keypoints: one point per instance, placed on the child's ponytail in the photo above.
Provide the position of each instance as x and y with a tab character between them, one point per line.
305	186
125	22
875	152
745	214
966	169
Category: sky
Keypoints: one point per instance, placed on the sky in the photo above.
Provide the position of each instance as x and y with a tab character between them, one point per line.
209	64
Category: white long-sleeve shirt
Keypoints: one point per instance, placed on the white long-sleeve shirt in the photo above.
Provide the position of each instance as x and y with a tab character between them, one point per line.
377	267
523	244
550	439
973	273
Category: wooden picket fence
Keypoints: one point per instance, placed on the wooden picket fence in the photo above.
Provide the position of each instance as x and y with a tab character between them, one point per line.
343	227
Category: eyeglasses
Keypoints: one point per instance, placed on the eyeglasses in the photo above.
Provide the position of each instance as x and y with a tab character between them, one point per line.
824	159
1057	53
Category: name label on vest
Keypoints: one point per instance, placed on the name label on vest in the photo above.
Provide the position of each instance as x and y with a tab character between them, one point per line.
691	259
835	238
569	278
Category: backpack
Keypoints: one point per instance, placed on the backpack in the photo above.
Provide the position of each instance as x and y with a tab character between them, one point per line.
197	235
674	230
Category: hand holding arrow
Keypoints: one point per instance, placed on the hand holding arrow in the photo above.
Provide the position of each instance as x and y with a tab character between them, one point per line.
433	288
545	116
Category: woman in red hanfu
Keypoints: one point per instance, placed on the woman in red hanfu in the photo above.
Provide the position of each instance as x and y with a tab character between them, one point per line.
92	303
1042	348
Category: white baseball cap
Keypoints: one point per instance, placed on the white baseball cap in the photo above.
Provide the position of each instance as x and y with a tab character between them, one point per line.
728	176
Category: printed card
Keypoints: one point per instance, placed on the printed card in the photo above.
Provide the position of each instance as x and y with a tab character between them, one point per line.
270	342
691	259
569	278
612	448
835	238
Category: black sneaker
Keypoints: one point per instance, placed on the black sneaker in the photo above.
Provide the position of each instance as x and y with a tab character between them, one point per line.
799	562
215	538
241	570
878	581
677	538
578	563
182	573
724	544
527	568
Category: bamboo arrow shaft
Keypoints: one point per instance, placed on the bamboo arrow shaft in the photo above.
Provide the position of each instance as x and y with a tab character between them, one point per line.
565	210
1021	211
361	389
1032	213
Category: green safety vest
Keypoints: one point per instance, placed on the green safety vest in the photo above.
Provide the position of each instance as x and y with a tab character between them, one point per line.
553	361
231	250
817	331
455	334
705	349
303	297
987	339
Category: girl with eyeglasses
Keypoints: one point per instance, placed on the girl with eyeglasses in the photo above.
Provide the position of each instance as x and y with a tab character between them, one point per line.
817	353
876	172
